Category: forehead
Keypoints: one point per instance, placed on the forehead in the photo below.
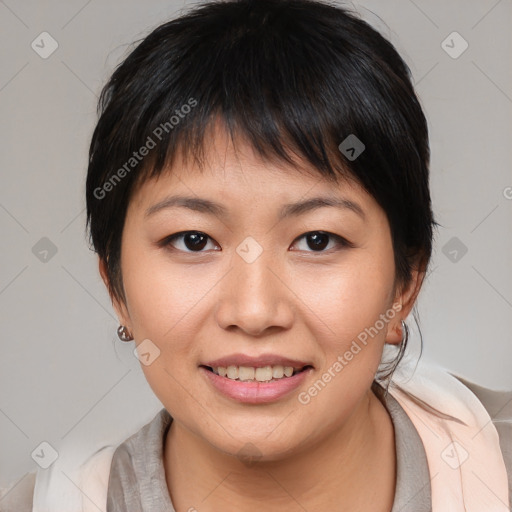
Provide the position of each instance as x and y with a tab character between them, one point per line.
233	172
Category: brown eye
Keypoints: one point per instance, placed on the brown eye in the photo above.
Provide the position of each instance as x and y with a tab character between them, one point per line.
317	241
189	241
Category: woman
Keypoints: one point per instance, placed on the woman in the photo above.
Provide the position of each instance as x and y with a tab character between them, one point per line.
258	196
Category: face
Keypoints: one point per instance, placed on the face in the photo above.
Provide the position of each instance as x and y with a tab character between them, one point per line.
258	283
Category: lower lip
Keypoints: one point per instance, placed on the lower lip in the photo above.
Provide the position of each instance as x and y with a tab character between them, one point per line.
251	392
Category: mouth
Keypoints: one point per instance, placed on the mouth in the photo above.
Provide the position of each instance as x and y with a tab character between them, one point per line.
260	379
267	373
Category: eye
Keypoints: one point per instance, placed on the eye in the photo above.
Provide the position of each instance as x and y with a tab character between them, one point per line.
190	241
196	241
319	240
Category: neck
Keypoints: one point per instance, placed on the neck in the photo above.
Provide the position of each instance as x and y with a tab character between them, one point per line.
353	468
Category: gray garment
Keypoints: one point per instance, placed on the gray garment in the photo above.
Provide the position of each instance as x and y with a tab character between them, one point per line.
412	490
137	477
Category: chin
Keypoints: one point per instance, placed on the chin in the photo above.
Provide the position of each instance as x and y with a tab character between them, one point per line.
250	449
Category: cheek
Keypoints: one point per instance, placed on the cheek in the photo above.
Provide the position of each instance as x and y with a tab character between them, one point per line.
166	302
351	297
161	295
351	335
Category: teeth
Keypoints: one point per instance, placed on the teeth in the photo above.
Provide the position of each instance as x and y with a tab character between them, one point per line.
277	372
248	373
263	374
232	372
245	373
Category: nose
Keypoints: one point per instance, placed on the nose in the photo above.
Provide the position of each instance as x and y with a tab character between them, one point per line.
255	297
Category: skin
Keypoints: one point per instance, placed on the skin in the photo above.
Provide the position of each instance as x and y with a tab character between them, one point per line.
338	451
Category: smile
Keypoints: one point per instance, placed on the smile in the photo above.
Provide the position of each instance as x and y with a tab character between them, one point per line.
255	385
262	374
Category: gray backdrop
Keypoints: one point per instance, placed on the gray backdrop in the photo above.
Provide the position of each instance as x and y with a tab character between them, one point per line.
63	376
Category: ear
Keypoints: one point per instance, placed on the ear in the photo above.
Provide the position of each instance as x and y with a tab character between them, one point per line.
407	298
119	306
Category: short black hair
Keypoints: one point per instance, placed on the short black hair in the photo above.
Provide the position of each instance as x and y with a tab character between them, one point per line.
287	76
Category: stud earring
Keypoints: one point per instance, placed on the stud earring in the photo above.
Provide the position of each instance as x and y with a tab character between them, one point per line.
123	333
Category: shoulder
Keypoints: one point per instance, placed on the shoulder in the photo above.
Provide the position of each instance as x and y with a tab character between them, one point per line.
499	406
498	403
17	496
42	488
94	471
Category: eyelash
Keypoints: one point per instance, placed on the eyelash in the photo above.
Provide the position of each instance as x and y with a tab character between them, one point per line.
341	242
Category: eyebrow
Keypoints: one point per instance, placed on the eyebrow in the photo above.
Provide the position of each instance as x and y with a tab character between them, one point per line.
288	210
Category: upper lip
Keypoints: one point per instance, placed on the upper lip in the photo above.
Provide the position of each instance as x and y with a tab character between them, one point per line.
255	362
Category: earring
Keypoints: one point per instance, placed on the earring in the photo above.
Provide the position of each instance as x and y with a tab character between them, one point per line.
123	334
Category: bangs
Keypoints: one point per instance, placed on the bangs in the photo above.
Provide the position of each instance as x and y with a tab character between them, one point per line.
282	87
